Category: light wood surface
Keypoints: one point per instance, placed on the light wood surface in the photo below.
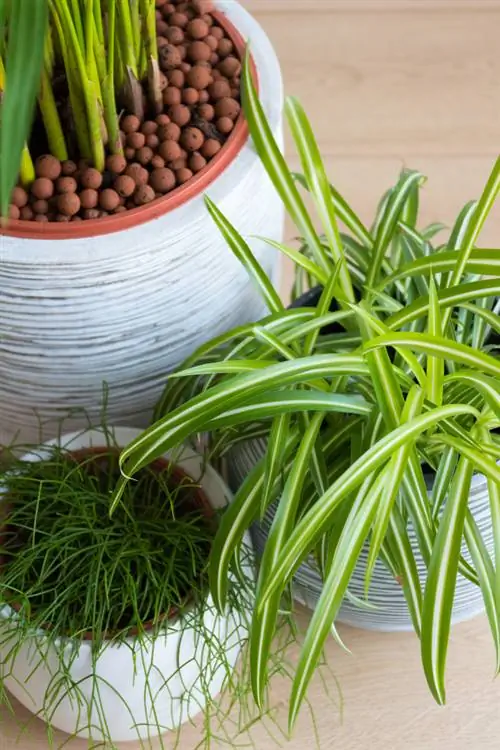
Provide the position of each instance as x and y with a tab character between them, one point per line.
387	83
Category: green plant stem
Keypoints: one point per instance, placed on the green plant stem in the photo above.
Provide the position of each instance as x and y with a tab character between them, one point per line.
27	169
150	46
51	120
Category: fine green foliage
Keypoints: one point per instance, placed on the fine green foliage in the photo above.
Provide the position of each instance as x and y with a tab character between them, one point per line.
59	533
391	377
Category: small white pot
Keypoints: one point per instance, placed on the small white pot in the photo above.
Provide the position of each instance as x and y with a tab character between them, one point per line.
123	300
146	686
387	609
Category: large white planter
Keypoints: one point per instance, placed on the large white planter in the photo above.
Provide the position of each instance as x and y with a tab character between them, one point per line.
144	686
386	608
126	307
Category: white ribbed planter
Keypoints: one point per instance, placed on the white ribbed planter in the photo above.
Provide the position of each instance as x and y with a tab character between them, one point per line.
126	307
139	688
387	609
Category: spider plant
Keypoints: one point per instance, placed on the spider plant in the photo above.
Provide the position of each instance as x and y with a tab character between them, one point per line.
407	382
103	51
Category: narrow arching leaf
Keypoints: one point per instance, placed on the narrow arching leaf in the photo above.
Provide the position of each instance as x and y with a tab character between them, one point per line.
447	298
276	166
395	473
435	365
487	580
302	261
27	29
346	555
244	254
441	582
442	480
389	222
488	387
483	261
316	521
345	214
274	457
264	621
440	347
317	181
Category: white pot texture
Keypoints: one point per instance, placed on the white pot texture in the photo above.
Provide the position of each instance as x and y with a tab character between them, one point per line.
385	608
141	687
125	307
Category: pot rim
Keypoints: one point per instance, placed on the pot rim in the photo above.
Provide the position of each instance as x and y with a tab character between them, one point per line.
31	230
211	484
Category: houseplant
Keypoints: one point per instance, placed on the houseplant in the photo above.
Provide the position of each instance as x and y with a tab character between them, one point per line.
412	367
107	628
83	303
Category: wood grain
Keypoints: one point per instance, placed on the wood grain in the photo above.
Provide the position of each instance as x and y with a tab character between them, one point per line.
387	83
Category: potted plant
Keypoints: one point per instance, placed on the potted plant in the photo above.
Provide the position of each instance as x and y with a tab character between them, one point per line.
107	628
111	269
389	379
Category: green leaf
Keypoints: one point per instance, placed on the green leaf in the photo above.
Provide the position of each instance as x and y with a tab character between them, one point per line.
442	480
27	29
435	365
299	259
264	621
395	473
441	582
488	387
448	298
319	186
483	261
487	580
275	164
274	457
345	213
439	346
316	521
346	555
244	254
389	222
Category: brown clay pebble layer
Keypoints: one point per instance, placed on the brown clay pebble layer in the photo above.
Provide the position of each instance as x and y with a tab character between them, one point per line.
200	72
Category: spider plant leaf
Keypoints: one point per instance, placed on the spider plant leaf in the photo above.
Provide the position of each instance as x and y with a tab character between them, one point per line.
430	231
395	473
28	23
494	495
190	417
302	261
315	175
490	318
322	309
461	225
441	581
483	261
379	327
479	461
475	224
488	387
264	621
288	401
448	298
400	543
442	480
487	580
347	552
316	521
435	365
244	254
439	346
389	222
344	212
274	342
276	166
274	457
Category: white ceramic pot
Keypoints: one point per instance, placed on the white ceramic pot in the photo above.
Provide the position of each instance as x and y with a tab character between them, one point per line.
145	686
122	301
387	609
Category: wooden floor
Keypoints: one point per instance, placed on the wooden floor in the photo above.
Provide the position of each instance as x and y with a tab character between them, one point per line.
389	83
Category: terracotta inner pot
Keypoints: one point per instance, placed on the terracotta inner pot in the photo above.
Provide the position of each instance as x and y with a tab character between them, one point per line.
159	207
194	499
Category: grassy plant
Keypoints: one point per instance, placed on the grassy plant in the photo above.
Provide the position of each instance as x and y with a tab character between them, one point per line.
394	370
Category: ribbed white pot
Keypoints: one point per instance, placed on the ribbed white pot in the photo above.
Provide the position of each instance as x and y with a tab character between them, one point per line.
126	307
386	608
142	687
